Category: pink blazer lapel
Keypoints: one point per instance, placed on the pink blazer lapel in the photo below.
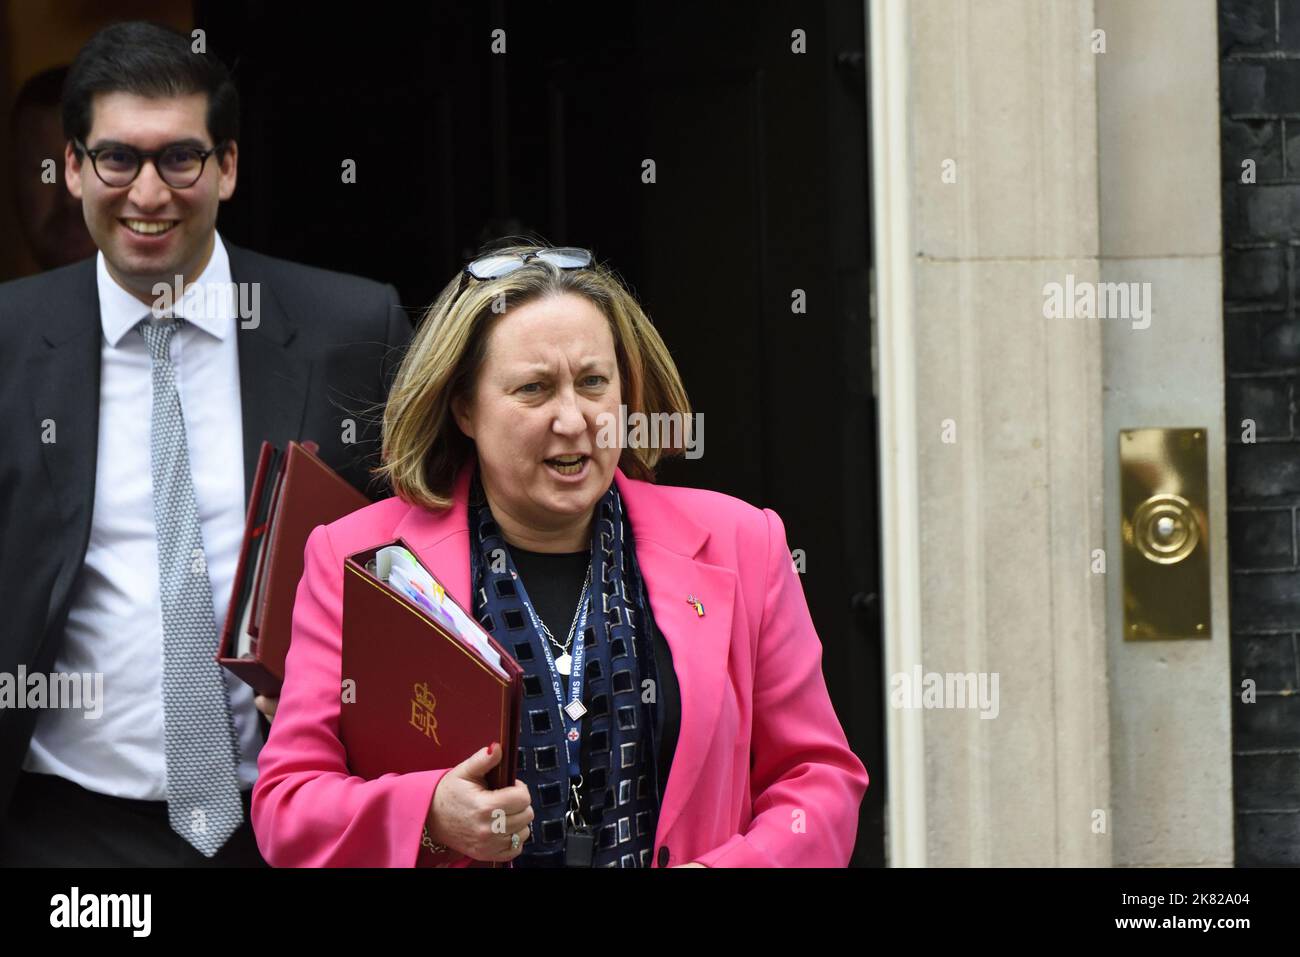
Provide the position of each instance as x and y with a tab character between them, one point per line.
667	543
441	540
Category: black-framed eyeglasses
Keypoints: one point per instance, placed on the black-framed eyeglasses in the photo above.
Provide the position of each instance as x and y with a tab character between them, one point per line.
178	166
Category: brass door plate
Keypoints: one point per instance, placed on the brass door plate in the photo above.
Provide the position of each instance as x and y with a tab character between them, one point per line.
1164	507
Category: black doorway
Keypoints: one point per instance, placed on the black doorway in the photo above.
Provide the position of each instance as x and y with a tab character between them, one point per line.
761	189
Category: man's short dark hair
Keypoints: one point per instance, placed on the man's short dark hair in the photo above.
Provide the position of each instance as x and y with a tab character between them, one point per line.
149	60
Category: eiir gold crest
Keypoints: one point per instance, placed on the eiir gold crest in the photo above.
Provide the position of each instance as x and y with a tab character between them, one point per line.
422	716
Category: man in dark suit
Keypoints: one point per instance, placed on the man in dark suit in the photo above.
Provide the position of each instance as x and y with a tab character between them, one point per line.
136	389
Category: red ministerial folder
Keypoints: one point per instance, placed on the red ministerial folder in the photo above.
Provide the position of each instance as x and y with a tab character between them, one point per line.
293	492
416	695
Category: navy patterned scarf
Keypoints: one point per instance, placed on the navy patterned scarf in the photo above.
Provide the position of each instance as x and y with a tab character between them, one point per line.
616	752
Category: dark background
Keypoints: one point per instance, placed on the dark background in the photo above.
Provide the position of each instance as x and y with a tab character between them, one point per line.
762	188
1259	45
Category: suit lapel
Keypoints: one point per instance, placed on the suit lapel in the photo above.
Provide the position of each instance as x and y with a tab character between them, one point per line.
667	543
273	378
65	398
441	540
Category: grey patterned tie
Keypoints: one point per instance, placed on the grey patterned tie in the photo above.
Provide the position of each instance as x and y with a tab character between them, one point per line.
203	800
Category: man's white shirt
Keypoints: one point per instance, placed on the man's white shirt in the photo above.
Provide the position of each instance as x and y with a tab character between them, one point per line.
115	621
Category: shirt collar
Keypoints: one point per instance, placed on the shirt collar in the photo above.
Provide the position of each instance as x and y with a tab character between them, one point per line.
210	307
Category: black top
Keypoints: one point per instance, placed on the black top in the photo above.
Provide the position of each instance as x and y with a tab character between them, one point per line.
554	582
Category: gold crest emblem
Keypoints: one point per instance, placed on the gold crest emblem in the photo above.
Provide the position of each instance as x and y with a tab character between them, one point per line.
422	717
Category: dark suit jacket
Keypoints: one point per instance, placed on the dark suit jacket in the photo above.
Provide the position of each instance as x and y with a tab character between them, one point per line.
324	350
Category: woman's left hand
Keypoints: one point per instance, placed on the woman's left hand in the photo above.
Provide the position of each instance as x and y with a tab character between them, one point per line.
266	705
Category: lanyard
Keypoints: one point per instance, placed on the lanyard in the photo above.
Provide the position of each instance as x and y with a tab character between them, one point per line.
577	674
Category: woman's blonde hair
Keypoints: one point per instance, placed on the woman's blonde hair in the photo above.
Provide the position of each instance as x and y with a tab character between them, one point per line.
423	447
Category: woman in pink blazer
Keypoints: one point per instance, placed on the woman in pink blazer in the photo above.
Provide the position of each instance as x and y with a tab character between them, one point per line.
505	441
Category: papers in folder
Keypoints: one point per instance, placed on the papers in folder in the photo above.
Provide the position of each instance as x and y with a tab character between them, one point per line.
403	573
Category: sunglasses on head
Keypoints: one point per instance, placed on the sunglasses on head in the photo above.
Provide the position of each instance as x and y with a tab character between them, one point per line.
496	265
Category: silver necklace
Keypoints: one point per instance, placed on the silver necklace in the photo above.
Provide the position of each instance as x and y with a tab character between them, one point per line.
564	663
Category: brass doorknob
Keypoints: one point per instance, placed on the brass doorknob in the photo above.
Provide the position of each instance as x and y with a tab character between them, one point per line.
1165	529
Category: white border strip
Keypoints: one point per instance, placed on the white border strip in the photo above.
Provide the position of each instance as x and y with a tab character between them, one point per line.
892	195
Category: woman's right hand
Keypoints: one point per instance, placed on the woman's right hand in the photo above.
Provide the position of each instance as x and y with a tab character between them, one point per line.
471	819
